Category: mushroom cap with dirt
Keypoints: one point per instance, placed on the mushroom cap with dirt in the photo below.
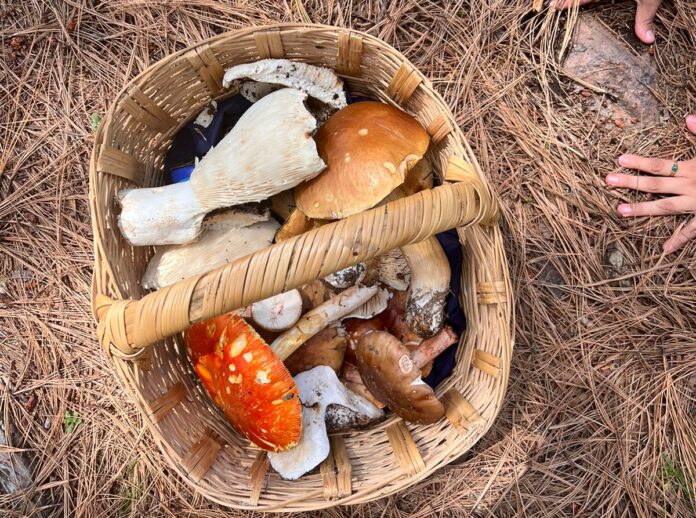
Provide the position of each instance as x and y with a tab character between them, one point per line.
369	147
392	373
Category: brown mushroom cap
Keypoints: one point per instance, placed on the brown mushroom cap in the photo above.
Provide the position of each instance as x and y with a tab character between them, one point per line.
368	147
388	372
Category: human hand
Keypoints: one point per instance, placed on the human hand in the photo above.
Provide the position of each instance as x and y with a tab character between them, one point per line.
681	184
645	15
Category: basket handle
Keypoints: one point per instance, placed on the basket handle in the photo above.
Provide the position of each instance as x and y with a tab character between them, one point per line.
130	325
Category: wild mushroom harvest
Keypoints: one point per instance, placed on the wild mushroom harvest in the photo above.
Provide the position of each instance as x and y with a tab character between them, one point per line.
269	150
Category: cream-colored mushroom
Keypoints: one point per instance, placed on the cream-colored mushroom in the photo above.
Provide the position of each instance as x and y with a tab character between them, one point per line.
318	82
318	388
279	312
269	150
224	238
430	283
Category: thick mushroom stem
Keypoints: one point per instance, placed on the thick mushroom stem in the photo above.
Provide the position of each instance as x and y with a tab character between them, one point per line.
240	169
430	282
431	348
317	319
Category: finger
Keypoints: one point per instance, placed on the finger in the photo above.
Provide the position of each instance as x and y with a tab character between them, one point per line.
672	205
691	123
656	166
651	184
680	237
644	20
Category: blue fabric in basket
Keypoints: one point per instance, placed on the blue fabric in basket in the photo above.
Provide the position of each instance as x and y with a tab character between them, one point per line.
194	141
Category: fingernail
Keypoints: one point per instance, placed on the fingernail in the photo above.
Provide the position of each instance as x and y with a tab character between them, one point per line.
612	179
650	36
625	210
623	160
691	119
668	248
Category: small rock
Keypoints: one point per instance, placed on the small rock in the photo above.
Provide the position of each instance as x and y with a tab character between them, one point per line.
551	276
616	260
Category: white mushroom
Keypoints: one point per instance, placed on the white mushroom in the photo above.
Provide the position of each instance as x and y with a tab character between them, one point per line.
224	238
318	82
279	312
430	283
269	150
318	388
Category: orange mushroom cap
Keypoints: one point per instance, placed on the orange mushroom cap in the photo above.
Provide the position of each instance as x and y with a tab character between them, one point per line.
247	381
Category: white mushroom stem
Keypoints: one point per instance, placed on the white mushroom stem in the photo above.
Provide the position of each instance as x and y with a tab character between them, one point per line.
317	319
318	388
279	312
430	282
269	150
224	238
318	82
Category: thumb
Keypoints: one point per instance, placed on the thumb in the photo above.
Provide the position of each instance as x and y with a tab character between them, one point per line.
644	20
691	123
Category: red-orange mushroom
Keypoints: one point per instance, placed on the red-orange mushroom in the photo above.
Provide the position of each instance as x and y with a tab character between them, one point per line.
247	381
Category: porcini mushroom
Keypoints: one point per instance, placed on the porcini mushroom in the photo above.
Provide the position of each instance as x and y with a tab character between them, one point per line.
430	284
279	312
368	147
224	238
318	82
246	380
318	388
269	150
392	373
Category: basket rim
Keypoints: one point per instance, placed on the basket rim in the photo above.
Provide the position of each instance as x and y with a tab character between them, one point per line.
99	138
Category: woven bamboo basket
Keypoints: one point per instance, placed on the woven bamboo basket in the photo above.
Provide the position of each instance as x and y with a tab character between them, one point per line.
141	333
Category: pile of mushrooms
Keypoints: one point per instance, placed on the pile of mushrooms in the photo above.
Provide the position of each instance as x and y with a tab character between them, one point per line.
335	354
